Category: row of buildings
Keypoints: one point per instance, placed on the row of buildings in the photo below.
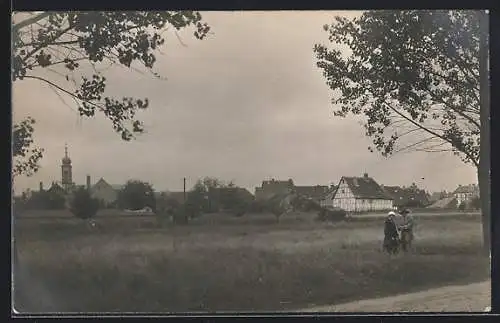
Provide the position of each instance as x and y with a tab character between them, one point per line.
353	194
364	194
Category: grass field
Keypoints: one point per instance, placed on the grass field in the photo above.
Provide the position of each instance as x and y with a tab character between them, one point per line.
232	264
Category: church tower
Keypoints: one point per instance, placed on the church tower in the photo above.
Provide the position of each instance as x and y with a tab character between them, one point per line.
66	168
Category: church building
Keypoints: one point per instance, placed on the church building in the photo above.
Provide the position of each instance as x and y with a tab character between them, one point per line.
106	193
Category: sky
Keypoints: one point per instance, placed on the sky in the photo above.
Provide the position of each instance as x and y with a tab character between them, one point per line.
245	104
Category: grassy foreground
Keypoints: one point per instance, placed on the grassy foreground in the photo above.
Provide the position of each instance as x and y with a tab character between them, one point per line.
135	266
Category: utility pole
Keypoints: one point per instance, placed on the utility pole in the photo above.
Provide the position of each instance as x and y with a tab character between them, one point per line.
485	149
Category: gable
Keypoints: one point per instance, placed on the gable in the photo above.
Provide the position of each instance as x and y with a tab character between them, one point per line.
342	190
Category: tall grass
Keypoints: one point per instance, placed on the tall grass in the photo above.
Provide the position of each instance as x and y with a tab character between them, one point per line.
270	267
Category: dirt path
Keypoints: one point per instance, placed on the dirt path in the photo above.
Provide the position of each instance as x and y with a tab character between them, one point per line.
466	298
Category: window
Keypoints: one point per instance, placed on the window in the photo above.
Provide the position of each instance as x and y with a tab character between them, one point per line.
342	191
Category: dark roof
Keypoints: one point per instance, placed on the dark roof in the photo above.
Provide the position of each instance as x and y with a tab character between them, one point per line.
316	191
56	187
275	183
241	192
467	189
365	188
402	196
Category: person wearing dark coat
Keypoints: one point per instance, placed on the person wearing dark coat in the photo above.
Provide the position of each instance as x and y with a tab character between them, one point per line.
391	234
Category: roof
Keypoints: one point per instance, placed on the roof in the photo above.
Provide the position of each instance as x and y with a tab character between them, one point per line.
331	193
241	192
466	189
365	188
117	186
402	195
55	186
317	191
275	183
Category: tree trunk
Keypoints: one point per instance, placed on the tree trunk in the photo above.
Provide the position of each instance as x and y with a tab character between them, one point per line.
484	154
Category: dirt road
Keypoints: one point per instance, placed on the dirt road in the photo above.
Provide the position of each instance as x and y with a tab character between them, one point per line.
466	298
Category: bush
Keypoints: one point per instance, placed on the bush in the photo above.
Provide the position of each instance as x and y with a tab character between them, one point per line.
83	205
332	215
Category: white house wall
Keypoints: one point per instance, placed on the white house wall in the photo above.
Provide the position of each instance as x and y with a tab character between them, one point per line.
345	199
464	197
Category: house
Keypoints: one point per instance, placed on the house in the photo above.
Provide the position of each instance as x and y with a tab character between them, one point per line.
407	196
57	189
226	196
359	194
464	194
315	193
272	187
104	192
241	193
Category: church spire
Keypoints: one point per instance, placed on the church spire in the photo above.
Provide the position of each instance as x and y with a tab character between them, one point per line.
66	168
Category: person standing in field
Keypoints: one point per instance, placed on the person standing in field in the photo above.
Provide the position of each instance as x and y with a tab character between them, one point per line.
406	227
391	234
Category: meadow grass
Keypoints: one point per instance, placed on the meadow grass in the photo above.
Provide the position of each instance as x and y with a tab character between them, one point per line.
137	265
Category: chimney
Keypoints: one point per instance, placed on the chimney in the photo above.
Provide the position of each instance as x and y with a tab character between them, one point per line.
41	186
88	182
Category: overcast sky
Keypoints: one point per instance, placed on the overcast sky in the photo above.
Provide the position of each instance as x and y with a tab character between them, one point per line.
245	104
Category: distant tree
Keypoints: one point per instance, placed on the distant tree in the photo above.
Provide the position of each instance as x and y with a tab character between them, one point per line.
46	200
211	186
279	204
82	205
197	200
65	43
210	194
136	195
232	199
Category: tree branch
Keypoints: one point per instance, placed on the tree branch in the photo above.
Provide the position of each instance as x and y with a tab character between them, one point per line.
415	144
63	90
29	21
474	160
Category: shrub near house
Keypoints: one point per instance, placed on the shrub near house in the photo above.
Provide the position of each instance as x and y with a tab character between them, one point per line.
82	205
